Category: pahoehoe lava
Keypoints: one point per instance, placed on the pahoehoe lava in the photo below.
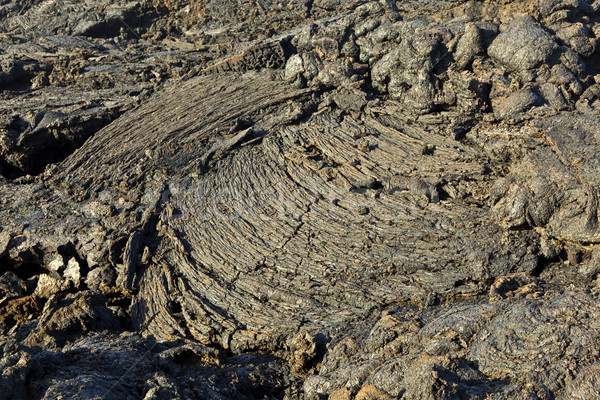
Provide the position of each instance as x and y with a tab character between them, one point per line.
294	199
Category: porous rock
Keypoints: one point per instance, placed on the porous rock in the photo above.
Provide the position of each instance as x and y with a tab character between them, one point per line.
290	199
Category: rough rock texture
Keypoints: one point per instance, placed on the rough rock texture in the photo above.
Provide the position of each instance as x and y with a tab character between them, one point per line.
299	199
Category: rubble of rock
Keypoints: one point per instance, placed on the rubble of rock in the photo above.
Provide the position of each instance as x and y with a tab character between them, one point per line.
326	199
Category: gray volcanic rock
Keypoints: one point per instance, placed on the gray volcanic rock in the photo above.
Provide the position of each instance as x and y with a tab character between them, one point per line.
299	199
551	193
516	104
522	45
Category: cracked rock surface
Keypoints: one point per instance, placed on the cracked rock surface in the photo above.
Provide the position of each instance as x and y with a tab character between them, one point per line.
299	199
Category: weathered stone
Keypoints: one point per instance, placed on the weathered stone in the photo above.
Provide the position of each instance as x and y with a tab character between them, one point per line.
11	286
73	271
299	199
469	45
553	96
100	276
516	104
306	351
302	69
522	45
48	286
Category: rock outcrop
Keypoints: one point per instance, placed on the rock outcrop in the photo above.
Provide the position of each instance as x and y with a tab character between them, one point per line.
299	199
